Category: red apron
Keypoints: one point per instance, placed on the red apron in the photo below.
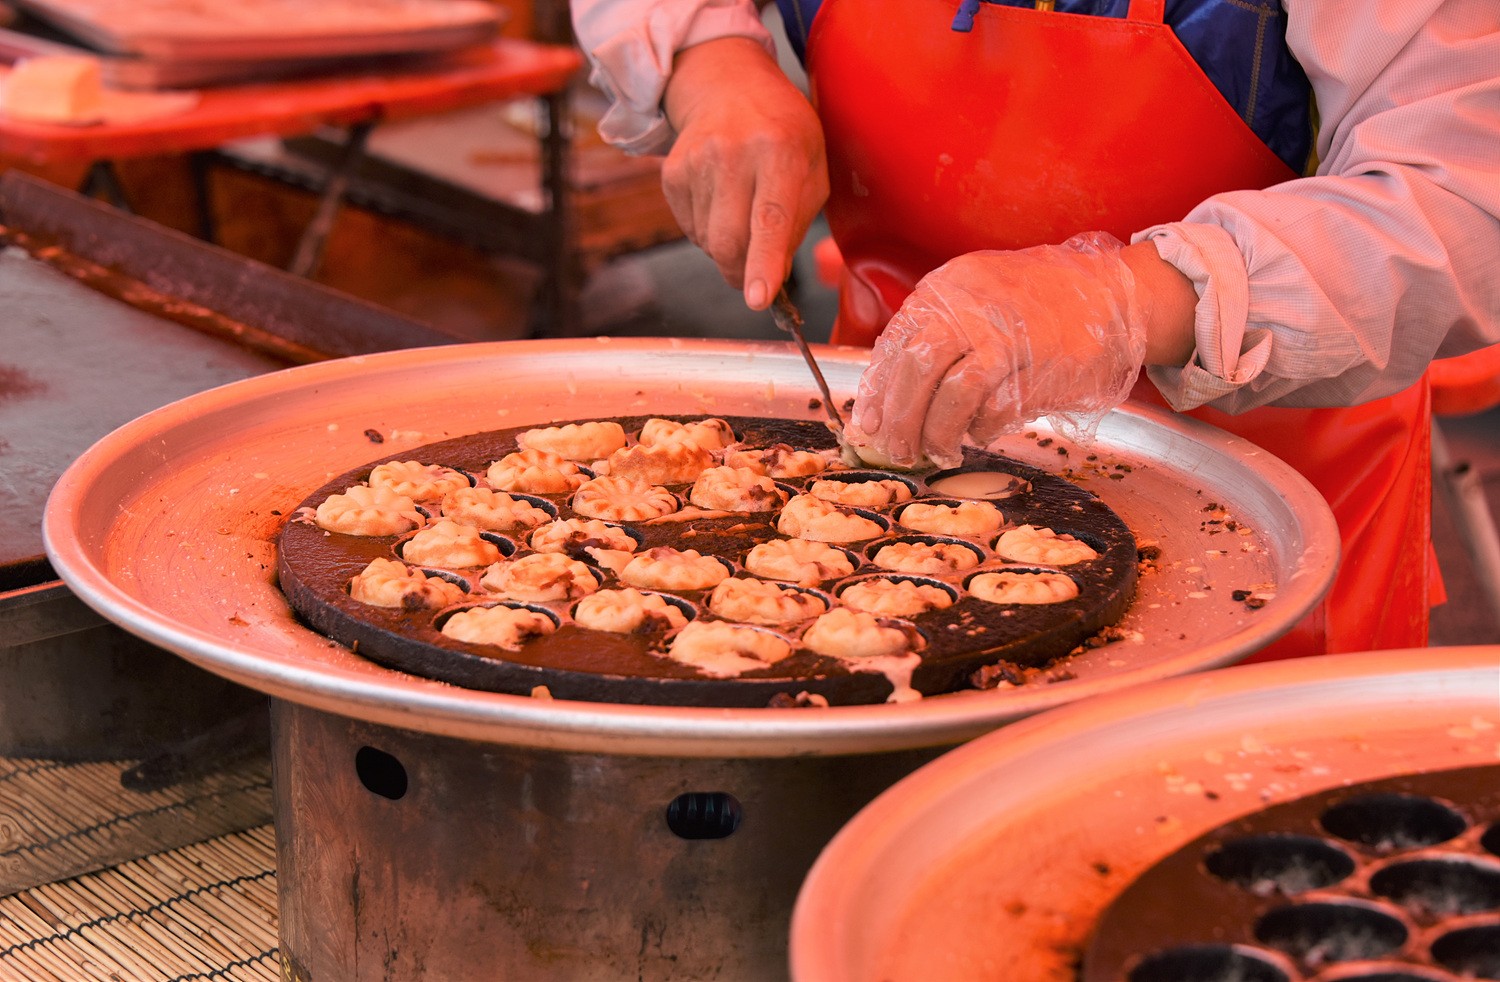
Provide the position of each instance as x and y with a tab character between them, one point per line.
1037	125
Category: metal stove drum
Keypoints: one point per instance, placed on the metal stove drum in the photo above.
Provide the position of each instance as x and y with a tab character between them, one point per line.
1331	819
429	829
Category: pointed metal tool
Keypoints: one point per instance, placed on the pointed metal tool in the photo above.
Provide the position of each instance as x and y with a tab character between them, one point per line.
790	321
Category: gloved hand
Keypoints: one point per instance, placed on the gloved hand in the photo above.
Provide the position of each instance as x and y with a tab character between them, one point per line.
993	340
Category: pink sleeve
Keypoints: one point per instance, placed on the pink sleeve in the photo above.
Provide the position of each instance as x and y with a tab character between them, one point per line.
1339	288
630	45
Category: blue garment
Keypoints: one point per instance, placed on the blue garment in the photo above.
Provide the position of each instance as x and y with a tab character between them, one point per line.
1239	44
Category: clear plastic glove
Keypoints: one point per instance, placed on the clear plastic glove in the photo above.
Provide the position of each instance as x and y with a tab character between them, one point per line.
993	340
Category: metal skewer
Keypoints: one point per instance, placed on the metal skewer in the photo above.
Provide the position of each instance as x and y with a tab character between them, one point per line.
790	321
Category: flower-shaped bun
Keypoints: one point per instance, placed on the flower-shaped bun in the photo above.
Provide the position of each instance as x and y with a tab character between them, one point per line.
502	627
799	561
628	611
845	633
493	511
449	545
665	568
540	577
363	510
417	481
1024	587
620	499
807	517
1030	544
535	472
722	650
759	602
575	441
387	583
736	489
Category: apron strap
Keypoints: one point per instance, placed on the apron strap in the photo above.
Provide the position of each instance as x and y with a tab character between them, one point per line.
1154	11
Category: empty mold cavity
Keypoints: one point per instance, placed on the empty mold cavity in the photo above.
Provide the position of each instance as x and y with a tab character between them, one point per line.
1491	840
1440	887
1287	864
1207	963
1473	952
1386	973
1320	933
1392	822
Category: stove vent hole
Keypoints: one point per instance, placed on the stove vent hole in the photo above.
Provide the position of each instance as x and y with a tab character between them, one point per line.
704	815
380	773
1287	864
1206	963
1473	952
1391	822
1320	933
1440	886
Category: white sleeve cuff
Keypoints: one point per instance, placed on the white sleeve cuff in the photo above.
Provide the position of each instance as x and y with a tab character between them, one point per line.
631	66
1227	356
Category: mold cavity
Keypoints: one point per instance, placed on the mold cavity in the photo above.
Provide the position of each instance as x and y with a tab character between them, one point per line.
447	576
1441	887
865	489
1207	963
1390	822
380	773
1377	973
1320	933
704	815
989	485
929	554
506	546
1288	864
535	502
1473	952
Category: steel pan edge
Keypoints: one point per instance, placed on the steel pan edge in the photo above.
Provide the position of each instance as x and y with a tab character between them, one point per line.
393	699
1044	778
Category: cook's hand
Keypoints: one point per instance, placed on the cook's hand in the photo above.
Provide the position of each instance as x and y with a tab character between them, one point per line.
747	173
993	340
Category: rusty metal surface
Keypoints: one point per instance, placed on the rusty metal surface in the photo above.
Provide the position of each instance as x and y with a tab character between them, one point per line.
996	861
166	527
75	365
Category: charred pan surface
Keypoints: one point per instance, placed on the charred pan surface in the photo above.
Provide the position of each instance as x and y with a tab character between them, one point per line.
315	567
1391	880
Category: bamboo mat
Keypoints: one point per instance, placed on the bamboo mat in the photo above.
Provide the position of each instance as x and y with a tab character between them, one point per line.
202	912
59	820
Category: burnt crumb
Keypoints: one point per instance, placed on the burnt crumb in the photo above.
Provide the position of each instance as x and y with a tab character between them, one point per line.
1045	441
238	621
1211	506
276	511
1101	868
374	436
1124	468
1249	599
1016	908
815	403
1117	477
1091	457
1108	635
993	676
1148	553
1211	795
1030	434
848	405
1066	675
802	700
1062	451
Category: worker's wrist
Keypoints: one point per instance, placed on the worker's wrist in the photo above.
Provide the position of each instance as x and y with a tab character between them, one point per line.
716	72
1171	301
